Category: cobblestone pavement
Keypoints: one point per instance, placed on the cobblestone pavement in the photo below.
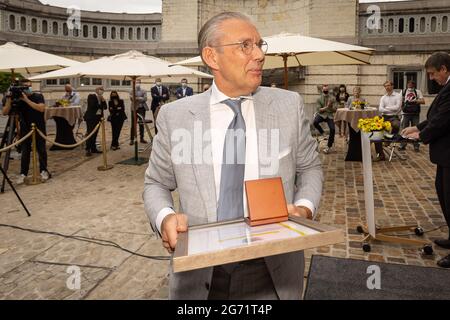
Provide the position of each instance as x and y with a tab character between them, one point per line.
81	201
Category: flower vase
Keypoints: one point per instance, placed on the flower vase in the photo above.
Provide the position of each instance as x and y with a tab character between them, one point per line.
376	135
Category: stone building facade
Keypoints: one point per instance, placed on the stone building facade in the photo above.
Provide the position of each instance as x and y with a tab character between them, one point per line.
403	33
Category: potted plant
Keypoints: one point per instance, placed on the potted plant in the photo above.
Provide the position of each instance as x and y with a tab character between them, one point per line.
374	127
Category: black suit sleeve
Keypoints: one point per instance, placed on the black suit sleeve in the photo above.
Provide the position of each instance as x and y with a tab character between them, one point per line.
439	122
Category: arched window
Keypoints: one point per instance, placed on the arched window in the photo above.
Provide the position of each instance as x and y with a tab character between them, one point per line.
381	26
391	25
65	29
12	22
104	33
412	26
95	32
138	34
122	33
76	32
23	24
130	33
422	25
33	25
153	33
85	31
113	33
444	24
401	25
55	28
146	34
433	24
44	27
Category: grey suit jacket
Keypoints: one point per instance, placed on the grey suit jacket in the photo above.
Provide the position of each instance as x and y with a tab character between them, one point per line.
299	167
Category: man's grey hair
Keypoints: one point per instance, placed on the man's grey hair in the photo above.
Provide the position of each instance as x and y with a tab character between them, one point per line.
210	33
437	60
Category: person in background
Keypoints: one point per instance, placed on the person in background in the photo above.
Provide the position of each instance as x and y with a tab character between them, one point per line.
412	99
355	99
326	107
206	87
117	116
184	90
390	108
435	132
71	95
160	94
30	108
141	108
341	100
96	103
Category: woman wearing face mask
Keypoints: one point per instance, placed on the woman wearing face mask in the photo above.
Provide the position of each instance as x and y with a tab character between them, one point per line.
117	116
342	98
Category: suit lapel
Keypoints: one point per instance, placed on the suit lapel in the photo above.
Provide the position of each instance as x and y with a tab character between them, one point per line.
266	120
203	171
436	100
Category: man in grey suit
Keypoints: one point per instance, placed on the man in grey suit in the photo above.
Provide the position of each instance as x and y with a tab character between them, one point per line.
191	153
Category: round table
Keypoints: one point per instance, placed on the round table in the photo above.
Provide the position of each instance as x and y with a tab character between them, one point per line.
354	152
65	119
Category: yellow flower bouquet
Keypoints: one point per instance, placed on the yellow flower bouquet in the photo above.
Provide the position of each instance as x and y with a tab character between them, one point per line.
62	103
376	126
358	105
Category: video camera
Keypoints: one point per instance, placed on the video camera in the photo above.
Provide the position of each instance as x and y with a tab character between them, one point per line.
17	90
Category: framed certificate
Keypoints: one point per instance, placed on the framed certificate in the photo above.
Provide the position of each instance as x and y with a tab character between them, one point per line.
221	243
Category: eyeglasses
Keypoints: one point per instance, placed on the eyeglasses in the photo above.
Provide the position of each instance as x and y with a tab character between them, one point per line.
247	46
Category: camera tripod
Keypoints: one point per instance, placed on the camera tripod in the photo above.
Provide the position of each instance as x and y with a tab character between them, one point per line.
8	136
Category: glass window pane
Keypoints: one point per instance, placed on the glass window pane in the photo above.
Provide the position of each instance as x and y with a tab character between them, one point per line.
12	22
51	82
96	82
44	27
64	81
85	81
55	28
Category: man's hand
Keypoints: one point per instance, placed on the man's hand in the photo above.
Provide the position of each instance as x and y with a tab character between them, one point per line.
170	227
322	110
408	131
414	135
300	211
25	98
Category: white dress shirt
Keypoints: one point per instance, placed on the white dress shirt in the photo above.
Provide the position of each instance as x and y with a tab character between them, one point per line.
221	117
391	104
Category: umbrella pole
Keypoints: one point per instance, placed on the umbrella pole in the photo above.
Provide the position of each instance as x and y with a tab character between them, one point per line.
135	121
285	71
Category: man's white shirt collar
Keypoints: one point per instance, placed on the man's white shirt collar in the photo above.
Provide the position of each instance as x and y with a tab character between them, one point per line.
218	96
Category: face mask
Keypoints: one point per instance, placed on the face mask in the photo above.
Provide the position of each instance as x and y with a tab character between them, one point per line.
342	89
115	97
410	89
158	84
101	92
184	85
29	90
325	92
